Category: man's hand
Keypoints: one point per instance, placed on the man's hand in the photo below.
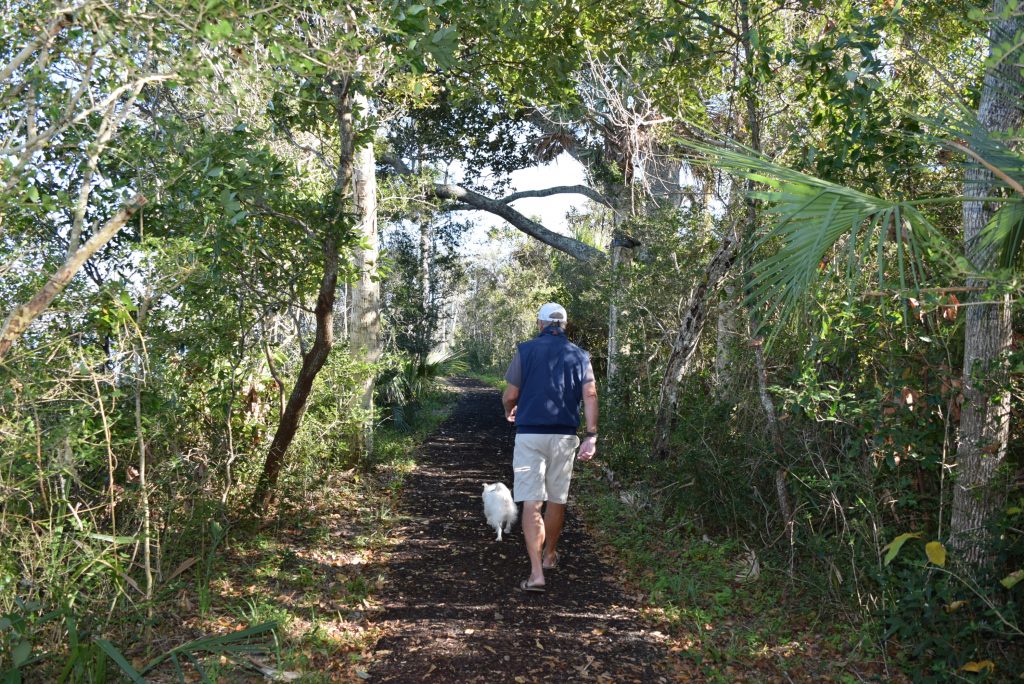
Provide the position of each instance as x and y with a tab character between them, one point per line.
588	447
510	399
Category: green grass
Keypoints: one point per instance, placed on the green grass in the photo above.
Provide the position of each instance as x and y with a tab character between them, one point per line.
690	591
493	379
314	570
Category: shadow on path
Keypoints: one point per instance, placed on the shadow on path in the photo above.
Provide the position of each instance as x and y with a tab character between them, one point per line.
451	610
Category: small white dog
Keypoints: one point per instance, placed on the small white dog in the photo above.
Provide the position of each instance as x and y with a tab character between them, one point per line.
499	508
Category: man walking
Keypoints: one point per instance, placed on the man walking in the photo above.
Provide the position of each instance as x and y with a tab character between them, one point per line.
547	379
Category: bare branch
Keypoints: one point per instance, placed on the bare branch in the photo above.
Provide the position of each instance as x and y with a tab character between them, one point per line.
112	120
468	200
21	316
572	247
584	190
52	30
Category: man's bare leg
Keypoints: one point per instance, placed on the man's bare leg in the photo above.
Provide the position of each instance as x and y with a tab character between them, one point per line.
533	530
554	517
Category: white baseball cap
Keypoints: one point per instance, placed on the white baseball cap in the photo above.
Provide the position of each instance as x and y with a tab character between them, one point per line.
553	313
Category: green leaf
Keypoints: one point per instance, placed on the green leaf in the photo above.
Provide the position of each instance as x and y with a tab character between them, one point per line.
896	544
214	32
809	217
21	653
936	553
33	194
120	660
1005	233
1011	580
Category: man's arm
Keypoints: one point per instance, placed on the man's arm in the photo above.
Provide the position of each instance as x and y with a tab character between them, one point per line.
509	399
588	447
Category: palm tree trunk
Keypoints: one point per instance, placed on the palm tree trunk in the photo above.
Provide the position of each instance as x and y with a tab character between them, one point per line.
980	489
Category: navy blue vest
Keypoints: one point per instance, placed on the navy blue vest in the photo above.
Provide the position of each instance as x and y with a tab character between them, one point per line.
552	385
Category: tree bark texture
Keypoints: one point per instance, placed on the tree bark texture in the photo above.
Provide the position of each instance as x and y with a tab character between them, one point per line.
426	263
20	318
364	335
725	340
685	344
613	315
980	489
313	359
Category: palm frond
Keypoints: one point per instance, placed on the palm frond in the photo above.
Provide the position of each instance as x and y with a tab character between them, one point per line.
960	131
813	220
1004	235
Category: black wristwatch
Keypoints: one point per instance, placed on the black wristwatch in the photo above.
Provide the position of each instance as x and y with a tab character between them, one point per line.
590	434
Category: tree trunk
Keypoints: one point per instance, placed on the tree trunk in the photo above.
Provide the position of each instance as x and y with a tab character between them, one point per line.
426	264
313	359
364	328
725	340
613	316
618	195
686	341
753	124
980	489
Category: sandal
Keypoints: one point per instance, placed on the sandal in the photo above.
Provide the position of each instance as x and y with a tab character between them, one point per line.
525	585
554	563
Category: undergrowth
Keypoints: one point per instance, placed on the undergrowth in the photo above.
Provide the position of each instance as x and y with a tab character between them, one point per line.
287	598
724	613
315	569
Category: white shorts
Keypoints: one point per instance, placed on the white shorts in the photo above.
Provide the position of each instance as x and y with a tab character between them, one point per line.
543	467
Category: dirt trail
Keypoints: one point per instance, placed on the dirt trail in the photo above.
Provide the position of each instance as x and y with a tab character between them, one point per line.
452	612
